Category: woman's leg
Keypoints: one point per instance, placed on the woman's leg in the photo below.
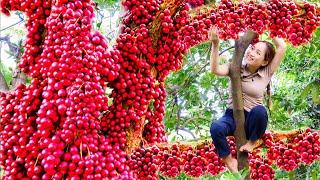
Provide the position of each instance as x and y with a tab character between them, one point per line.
219	129
255	126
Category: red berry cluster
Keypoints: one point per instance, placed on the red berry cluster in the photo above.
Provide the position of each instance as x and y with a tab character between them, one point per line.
232	145
170	161
280	16
267	139
145	163
167	22
195	3
308	146
255	17
230	24
285	156
135	89
193	31
215	164
173	160
140	12
154	130
194	164
302	27
52	127
286	19
260	168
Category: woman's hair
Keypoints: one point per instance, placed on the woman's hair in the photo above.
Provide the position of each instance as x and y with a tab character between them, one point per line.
270	52
269	55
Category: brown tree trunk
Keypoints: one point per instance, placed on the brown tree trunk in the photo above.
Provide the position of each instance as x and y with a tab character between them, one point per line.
18	78
238	113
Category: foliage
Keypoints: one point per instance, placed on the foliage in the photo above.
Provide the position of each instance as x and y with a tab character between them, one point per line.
106	3
296	88
195	95
6	73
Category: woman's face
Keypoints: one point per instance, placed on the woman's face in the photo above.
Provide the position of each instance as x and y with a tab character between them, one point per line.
255	54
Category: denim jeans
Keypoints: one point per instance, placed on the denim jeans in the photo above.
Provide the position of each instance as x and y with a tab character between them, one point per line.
255	125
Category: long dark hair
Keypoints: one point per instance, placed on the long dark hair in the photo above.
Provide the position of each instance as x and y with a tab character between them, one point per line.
269	55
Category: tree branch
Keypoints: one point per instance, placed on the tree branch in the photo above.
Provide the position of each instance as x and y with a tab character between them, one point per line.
186	130
21	20
17	76
191	79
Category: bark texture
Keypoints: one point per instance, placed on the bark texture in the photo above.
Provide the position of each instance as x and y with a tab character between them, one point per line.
240	47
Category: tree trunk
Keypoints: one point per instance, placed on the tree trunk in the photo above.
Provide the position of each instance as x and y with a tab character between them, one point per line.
18	78
238	113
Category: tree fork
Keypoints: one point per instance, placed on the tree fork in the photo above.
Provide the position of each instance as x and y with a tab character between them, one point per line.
238	113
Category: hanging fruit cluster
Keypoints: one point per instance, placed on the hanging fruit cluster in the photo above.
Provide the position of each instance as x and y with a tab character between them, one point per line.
200	159
172	160
52	128
64	126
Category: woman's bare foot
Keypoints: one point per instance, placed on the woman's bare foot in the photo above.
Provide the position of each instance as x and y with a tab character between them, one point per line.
248	147
231	163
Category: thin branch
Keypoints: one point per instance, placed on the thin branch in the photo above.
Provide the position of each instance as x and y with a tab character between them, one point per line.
21	20
217	90
186	130
191	79
15	49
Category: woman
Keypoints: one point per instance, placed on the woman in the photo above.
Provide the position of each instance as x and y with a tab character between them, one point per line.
261	60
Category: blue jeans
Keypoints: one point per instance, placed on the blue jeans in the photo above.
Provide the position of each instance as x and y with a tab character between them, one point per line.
255	125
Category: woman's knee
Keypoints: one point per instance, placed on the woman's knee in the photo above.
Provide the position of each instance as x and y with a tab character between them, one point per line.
216	130
259	111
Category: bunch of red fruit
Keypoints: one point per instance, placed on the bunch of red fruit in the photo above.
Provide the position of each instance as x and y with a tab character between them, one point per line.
260	168
285	155
145	162
170	161
308	146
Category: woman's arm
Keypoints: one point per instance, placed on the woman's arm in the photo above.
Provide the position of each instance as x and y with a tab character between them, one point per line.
279	56
220	70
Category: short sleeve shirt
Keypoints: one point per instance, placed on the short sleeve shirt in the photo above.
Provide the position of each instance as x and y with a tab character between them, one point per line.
253	86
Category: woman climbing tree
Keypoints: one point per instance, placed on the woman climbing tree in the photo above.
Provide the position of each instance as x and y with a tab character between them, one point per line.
261	61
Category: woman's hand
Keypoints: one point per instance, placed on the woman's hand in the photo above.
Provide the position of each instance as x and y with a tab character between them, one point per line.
212	35
280	53
279	42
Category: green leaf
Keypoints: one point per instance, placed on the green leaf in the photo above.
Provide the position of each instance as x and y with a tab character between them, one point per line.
104	3
315	93
206	80
99	25
306	91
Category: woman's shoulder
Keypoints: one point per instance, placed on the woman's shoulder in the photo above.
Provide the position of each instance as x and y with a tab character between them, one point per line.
266	71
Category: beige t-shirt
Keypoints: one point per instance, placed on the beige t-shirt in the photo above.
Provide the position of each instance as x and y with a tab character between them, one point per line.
253	86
